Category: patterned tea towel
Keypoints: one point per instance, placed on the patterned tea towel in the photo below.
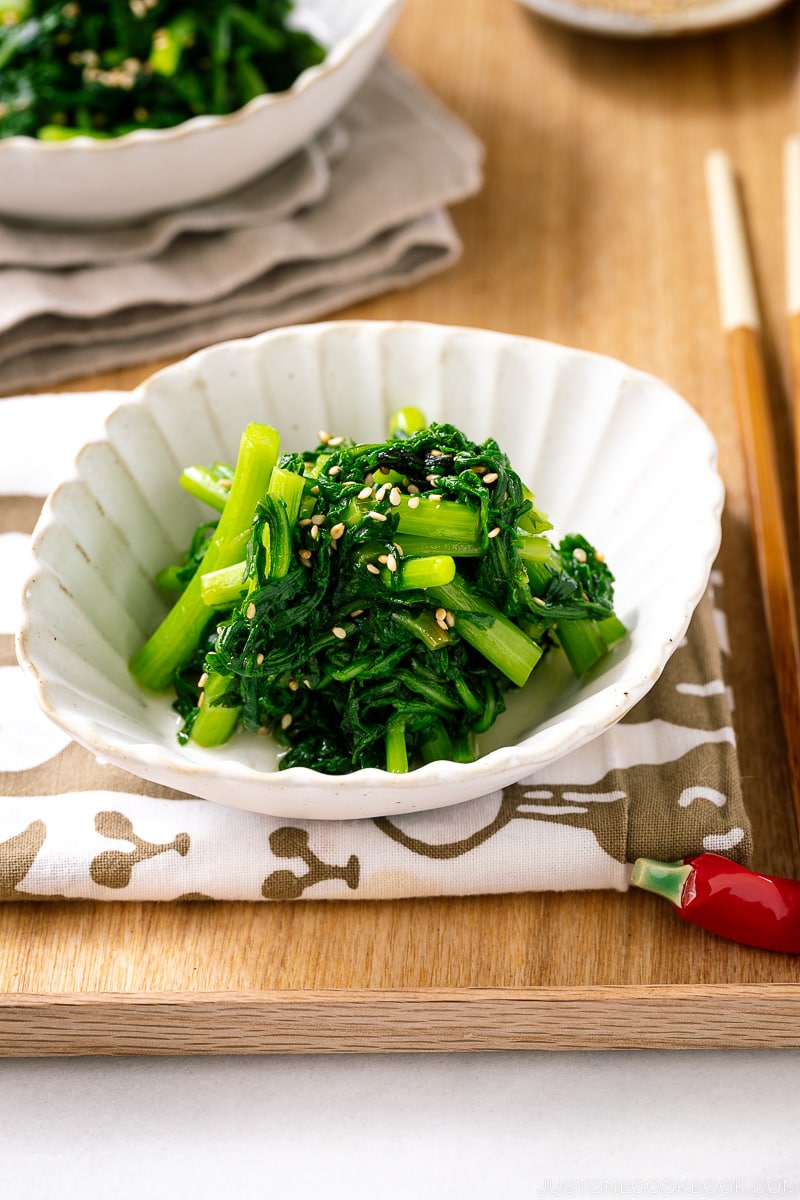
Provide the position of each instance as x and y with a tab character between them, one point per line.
663	783
359	212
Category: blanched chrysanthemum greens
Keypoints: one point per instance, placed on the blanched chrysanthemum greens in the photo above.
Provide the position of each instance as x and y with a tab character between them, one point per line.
370	604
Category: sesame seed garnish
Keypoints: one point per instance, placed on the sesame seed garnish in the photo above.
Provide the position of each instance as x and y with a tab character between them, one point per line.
293	685
442	625
413	502
435	496
286	720
318	519
251	611
383	558
376	516
305	521
369	479
201	699
381	492
338	632
492	477
478	470
203	680
259	659
262	730
307	683
413	490
335	469
357	612
436	453
365	493
304	554
449	620
373	570
337	441
306	562
494	532
394	496
579	554
391	562
315	490
441	613
324	436
432	478
599	556
337	531
315	532
383	471
539	601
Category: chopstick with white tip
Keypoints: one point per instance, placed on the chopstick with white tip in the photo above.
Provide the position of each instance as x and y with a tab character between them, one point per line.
742	328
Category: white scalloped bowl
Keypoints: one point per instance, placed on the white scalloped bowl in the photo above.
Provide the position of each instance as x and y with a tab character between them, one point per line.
609	451
86	181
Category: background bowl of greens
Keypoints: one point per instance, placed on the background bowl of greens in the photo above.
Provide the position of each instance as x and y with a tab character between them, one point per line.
608	451
112	112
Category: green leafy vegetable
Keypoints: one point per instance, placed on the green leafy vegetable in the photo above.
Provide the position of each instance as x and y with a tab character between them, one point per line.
101	68
371	604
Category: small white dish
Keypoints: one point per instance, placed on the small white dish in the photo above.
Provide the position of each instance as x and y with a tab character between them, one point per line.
609	452
86	181
638	20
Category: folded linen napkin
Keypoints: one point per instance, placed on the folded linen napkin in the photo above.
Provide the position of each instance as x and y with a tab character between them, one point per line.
663	783
359	212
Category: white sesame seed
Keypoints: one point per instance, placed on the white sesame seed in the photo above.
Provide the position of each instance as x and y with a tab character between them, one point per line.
599	556
579	554
338	632
539	601
449	620
492	477
356	612
442	625
318	519
315	532
478	470
336	441
305	521
436	453
383	558
203	680
373	570
383	471
304	554
293	685
376	516
435	496
365	493
391	562
369	479
286	720
262	730
394	496
413	490
324	436
335	469
494	532
251	611
259	659
307	682
315	490
440	614
337	531
413	502
201	699
381	492
306	562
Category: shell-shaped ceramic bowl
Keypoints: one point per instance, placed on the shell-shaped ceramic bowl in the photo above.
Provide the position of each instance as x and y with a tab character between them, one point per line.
608	451
85	181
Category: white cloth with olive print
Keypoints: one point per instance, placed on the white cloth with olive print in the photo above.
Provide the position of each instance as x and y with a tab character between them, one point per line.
663	783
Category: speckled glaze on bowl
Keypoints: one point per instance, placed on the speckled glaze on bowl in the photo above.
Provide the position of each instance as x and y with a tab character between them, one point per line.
86	181
608	450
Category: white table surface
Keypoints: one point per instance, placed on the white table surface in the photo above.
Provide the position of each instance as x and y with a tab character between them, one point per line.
505	1126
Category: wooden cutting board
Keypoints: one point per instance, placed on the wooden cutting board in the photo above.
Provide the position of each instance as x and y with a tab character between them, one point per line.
591	230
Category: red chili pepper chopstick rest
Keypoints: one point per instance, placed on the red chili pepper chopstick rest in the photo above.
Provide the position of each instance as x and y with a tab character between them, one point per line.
725	898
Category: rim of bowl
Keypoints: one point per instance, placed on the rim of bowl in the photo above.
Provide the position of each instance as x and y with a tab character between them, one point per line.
338	54
575	727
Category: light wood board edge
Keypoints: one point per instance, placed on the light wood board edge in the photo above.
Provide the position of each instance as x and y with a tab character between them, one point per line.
394	1021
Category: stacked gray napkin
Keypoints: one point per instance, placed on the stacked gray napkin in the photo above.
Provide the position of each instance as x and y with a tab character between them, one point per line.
358	212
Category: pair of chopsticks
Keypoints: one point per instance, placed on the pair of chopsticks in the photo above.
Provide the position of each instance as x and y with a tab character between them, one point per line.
742	328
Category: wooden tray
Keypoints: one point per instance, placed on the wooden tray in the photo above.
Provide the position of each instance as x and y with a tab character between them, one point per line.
591	230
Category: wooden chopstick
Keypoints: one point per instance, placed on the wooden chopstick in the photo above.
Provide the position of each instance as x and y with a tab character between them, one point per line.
791	191
742	328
